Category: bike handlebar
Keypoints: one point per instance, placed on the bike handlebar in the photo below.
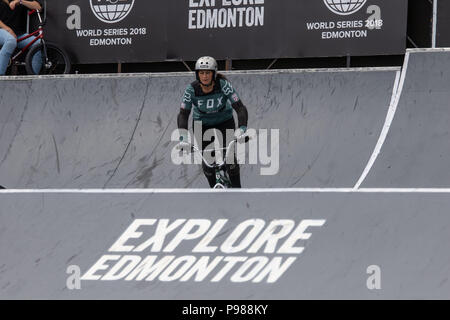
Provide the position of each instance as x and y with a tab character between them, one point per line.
219	165
38	12
227	153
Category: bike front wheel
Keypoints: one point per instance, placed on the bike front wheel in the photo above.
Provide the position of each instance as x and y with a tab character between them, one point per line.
223	181
55	62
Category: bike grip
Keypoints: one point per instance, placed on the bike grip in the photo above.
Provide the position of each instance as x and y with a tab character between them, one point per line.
31	12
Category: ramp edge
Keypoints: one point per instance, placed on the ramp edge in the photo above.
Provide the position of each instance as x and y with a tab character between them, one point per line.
212	191
189	73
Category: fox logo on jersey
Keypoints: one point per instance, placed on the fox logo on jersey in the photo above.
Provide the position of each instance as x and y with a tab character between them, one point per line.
227	88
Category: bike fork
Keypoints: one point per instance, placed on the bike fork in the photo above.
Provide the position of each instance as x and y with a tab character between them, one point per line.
44	52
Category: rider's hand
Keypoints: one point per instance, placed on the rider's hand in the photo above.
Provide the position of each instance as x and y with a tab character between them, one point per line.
183	146
240	135
13	4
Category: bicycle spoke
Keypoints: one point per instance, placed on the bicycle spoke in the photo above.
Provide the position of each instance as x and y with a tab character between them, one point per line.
55	62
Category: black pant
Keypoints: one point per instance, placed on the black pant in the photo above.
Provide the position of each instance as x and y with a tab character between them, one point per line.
232	169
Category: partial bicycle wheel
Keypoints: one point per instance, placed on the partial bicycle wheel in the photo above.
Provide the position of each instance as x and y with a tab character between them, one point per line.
56	62
226	181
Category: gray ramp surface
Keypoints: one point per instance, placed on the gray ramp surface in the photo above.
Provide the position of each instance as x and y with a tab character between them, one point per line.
405	235
115	132
416	152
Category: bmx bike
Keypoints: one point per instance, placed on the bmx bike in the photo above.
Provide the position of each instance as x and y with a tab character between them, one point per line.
54	59
222	179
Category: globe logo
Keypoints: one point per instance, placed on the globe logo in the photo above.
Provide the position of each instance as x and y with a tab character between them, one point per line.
111	11
344	7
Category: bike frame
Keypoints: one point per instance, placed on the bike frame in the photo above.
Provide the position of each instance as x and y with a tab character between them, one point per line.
39	33
222	180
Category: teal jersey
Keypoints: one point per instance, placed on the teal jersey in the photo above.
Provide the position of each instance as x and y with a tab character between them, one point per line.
212	108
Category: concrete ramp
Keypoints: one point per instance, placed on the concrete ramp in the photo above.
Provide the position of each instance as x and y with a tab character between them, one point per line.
115	132
72	132
416	153
227	245
361	210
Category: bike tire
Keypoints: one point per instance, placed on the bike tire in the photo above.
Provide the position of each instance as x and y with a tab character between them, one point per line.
56	62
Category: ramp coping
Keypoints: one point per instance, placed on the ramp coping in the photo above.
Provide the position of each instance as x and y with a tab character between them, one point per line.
425	50
243	190
189	73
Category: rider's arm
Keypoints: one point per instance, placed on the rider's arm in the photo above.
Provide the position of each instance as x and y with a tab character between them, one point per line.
242	113
236	102
183	118
32	5
186	106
